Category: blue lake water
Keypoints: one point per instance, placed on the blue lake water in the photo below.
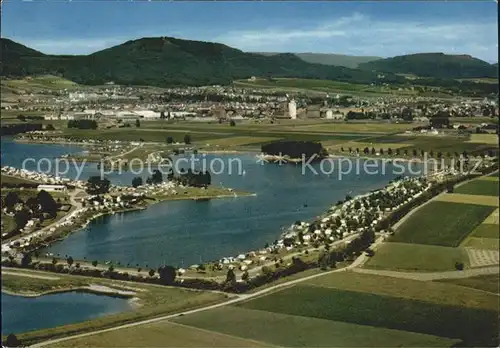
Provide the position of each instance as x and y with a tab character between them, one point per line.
21	314
179	233
182	233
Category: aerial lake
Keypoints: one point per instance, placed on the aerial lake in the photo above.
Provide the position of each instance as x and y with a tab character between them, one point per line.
21	314
187	232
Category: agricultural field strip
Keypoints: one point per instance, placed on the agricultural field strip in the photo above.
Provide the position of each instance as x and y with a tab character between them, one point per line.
433	276
307	331
491	201
424	259
484	139
409	315
413	289
444	221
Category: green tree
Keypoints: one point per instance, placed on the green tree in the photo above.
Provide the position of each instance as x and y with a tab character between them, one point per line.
94	263
167	274
170	140
151	272
26	260
11	199
12	341
96	185
232	123
48	203
137	181
70	261
245	276
187	139
230	277
21	218
137	123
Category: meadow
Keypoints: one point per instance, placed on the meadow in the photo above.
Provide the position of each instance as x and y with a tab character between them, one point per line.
160	334
489	283
291	330
441	223
432	292
474	326
417	258
479	187
467	199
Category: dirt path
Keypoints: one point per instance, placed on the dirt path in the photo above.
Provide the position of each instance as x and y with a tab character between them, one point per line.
427	276
30	275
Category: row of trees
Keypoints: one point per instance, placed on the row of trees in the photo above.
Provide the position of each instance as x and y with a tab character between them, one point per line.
187	139
186	178
189	178
295	149
82	124
414	152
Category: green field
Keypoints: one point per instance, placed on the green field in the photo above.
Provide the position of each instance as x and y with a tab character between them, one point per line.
41	82
486	231
319	86
479	187
474	326
28	285
432	292
490	283
482	243
7	179
441	223
417	258
160	334
287	330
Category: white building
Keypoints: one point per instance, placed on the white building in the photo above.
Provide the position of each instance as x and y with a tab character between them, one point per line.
51	188
292	109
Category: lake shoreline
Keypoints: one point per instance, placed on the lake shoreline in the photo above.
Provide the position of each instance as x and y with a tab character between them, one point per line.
110	292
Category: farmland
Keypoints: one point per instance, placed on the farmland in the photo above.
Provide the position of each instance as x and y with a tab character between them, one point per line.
164	334
480	187
365	309
490	283
459	198
417	257
433	292
442	223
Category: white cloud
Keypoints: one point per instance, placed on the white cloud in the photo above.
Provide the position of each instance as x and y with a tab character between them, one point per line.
355	34
358	34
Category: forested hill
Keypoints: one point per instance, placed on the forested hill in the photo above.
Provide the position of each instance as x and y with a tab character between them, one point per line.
437	65
169	61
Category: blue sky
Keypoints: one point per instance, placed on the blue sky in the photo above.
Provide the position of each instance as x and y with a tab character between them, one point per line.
359	28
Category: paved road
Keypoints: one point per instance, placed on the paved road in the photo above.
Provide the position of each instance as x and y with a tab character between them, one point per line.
244	297
75	206
354	266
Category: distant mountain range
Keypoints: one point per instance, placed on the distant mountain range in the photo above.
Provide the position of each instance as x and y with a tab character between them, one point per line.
330	59
437	65
168	61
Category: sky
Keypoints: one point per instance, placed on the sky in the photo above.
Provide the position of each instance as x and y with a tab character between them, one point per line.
368	28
